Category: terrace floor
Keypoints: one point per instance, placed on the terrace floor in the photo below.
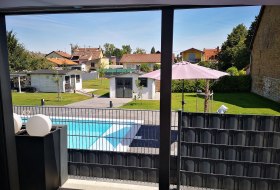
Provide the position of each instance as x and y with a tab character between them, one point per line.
103	184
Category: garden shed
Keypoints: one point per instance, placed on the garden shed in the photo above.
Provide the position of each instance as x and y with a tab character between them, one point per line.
125	86
54	80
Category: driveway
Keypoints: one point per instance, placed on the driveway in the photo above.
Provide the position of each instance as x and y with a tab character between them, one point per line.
100	102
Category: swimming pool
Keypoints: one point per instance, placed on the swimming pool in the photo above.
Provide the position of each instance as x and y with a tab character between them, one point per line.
98	134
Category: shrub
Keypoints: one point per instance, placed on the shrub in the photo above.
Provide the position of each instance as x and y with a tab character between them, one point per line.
145	68
189	85
241	72
233	71
233	84
156	67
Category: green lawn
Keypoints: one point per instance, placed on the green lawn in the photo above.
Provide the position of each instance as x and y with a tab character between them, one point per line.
50	98
103	86
238	103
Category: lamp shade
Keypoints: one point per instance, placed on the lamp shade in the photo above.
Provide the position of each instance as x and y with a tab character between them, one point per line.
17	122
38	125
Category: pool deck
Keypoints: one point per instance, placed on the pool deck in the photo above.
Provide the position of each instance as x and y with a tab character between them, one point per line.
103	184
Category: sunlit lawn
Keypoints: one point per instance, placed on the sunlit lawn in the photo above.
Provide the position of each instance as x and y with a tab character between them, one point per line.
238	103
103	86
50	98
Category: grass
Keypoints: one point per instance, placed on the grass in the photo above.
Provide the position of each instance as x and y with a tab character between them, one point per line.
103	86
238	103
50	98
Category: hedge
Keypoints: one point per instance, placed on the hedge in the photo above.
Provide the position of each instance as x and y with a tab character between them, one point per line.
233	84
225	84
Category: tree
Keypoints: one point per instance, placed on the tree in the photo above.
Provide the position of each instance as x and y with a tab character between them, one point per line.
251	32
153	50
56	79
118	53
20	59
126	49
109	49
234	51
140	89
139	51
101	71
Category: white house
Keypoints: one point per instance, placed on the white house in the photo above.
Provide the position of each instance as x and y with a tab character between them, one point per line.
52	81
125	86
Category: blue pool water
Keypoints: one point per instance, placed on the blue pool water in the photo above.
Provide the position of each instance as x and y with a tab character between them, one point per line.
86	133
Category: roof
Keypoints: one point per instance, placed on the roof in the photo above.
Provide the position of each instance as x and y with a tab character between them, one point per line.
257	26
140	58
33	6
210	52
61	61
192	49
62	53
53	72
87	53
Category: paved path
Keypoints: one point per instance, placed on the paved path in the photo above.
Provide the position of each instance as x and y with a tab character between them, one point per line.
100	102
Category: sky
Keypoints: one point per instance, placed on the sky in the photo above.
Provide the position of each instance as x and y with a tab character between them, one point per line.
198	28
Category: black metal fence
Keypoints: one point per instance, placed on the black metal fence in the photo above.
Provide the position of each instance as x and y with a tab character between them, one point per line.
135	131
238	152
217	151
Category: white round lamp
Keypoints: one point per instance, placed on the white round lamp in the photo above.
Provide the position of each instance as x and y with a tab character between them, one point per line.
38	125
17	122
222	109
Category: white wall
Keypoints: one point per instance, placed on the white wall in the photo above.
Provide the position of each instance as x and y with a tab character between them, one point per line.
46	82
147	92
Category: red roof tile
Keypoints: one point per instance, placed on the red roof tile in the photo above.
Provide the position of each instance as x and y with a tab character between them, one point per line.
63	54
210	53
87	53
140	58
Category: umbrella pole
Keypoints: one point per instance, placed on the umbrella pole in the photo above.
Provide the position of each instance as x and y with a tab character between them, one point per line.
206	97
183	98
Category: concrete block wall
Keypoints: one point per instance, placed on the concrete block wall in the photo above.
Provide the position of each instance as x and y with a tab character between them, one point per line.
265	68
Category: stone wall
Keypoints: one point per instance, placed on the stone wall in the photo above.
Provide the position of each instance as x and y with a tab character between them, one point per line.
265	67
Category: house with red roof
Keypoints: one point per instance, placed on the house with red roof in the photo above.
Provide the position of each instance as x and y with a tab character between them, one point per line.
92	58
211	54
58	54
134	61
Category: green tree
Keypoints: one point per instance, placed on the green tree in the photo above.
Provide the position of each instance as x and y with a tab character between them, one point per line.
251	32
109	49
20	59
139	51
56	79
118	53
234	51
145	68
153	50
126	49
101	71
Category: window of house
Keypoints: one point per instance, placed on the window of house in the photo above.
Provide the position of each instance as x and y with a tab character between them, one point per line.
78	78
67	79
143	82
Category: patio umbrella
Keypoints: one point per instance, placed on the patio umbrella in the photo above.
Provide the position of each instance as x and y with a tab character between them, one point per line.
188	71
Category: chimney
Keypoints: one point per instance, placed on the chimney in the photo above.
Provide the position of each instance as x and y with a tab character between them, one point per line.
218	48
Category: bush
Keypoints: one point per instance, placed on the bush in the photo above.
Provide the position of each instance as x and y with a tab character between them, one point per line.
233	71
233	84
189	85
145	68
156	67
